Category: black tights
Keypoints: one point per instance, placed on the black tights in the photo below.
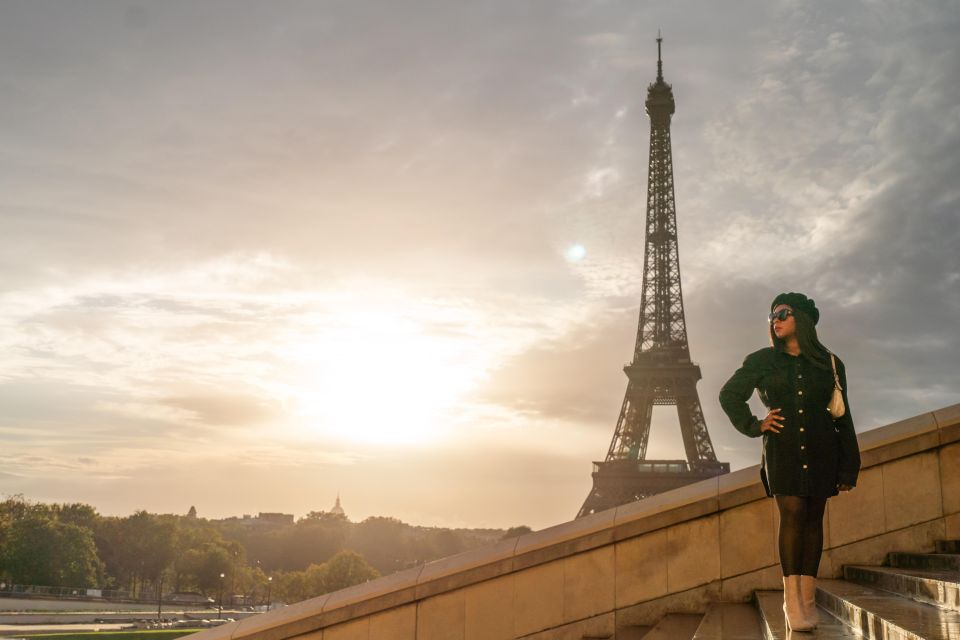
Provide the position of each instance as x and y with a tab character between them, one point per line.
801	534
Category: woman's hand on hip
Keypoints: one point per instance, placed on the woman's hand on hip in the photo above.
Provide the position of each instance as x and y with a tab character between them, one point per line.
773	422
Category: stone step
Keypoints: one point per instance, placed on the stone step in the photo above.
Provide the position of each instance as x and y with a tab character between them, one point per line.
940	588
729	621
632	633
774	627
924	561
882	615
948	546
674	626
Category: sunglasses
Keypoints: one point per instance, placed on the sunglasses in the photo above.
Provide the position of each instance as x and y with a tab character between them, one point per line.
781	315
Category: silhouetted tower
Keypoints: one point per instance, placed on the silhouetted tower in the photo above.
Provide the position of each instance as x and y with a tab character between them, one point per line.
661	372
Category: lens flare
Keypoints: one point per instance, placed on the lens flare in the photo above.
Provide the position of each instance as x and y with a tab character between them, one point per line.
576	253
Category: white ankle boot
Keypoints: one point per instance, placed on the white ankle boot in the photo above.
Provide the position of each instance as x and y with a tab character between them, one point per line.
808	599
792	606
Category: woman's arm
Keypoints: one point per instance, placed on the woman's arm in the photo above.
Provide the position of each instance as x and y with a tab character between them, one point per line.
736	392
849	467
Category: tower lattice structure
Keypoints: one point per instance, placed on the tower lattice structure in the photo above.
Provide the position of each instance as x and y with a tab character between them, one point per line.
661	372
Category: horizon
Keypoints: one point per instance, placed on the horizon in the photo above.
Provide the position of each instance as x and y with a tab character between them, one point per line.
254	254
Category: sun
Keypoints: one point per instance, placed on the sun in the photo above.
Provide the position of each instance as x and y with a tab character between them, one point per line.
575	253
381	378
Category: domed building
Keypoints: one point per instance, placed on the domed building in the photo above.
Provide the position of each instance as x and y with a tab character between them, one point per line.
337	509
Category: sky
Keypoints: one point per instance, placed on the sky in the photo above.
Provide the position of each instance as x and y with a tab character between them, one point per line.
256	254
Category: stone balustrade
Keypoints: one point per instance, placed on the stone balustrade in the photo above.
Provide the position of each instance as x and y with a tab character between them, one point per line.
674	552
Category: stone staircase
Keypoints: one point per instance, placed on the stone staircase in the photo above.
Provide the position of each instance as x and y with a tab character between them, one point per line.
915	596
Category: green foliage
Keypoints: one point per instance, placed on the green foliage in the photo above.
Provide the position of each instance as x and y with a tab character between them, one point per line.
291	586
72	545
205	565
324	516
385	542
515	532
345	569
138	548
82	515
16	508
295	547
193	537
41	550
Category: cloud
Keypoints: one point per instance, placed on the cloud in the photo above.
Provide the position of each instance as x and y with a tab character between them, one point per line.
868	203
224	409
201	202
572	377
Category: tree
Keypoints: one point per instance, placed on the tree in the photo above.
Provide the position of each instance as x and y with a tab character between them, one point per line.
324	516
290	586
383	542
446	542
315	580
346	569
192	535
251	582
17	508
44	551
203	567
308	542
82	515
515	532
138	548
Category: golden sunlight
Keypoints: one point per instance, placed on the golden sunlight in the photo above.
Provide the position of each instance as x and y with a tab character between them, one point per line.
377	377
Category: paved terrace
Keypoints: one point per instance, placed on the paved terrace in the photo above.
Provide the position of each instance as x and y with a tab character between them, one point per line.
672	553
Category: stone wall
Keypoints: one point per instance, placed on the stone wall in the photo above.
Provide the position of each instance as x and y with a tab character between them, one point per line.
674	552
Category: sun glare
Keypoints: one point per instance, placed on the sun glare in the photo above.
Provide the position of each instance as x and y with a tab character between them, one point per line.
576	253
380	379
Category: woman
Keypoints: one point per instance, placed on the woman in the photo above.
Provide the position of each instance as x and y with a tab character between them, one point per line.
808	455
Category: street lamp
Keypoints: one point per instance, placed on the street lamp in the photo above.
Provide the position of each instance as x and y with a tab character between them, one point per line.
233	577
220	597
160	599
269	587
253	588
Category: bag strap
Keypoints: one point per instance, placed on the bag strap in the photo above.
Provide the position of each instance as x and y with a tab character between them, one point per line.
836	378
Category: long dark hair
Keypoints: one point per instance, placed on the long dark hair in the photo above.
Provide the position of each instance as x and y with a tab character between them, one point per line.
810	346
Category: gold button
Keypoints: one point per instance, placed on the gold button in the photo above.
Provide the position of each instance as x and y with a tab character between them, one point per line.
804	466
799	393
801	410
801	428
803	446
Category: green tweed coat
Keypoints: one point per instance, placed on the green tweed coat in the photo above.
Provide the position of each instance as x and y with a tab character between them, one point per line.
813	453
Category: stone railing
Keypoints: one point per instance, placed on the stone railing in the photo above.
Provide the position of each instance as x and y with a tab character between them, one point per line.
674	552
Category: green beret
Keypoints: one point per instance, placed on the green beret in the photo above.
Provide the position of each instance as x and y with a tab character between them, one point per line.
797	302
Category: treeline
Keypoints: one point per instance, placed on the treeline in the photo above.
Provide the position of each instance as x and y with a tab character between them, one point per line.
71	545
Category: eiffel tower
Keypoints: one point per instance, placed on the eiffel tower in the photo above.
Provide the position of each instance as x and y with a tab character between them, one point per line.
661	372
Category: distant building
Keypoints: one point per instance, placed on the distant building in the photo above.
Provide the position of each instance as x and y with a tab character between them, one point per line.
337	509
261	520
275	518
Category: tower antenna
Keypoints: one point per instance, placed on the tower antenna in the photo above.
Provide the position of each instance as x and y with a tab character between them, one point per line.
659	60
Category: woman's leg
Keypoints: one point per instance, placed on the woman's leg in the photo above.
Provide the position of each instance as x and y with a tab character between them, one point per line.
801	534
812	545
812	549
793	519
793	515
